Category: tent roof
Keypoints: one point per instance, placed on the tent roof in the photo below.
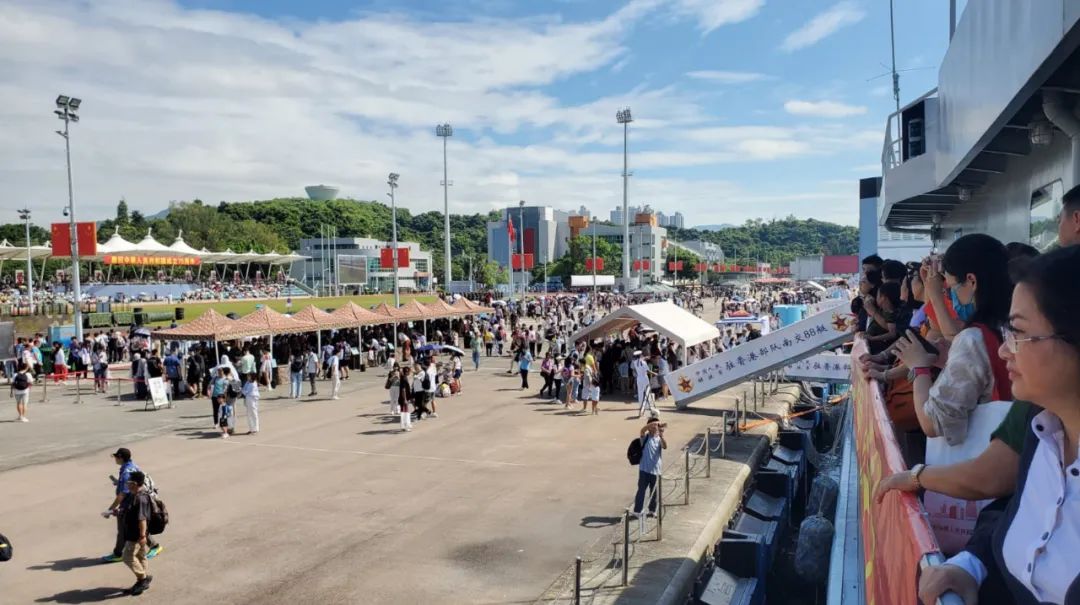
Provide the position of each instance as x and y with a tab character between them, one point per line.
116	243
211	325
470	306
355	315
180	247
666	318
408	312
266	321
314	315
440	308
148	246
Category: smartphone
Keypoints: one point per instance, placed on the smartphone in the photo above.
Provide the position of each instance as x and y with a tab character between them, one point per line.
925	343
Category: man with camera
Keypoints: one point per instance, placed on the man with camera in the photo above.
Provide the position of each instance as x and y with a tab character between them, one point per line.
652	444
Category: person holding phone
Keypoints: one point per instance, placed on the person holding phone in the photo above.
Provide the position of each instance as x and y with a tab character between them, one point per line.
650	467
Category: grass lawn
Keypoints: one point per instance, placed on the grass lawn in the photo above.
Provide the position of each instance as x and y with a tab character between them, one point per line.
243	307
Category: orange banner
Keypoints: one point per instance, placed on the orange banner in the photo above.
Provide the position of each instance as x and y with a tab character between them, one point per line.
895	533
168	261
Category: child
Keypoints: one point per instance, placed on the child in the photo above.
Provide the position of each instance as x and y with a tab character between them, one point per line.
573	382
250	391
624	376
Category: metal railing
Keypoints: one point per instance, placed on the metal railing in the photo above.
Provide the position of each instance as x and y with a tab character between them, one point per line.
892	152
696	463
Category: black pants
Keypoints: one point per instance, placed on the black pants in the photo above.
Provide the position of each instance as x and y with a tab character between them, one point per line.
420	402
118	548
646	483
216	403
556	388
524	379
488	346
549	385
311	379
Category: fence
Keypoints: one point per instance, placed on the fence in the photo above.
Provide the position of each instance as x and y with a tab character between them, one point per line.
695	462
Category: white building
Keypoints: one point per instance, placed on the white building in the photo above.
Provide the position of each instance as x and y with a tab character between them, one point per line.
355	262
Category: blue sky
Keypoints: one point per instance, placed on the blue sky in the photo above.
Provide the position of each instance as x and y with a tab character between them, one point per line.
743	108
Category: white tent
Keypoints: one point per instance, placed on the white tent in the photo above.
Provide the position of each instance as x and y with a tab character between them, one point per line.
181	248
666	318
148	246
116	244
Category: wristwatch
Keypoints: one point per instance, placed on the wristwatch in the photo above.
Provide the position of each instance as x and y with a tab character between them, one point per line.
915	472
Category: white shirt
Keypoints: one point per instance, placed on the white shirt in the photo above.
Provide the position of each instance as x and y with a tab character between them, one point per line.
59	358
334	365
1040	544
641	371
965	382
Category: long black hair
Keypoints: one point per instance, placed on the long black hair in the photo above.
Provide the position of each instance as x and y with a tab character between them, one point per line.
1052	278
987	259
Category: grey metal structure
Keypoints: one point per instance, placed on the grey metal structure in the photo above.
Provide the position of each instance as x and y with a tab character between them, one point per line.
445	131
1002	125
67	110
623	117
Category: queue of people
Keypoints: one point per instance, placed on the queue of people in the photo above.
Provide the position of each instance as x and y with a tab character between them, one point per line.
987	323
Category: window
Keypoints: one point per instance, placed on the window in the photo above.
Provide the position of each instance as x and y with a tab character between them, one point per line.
1045	212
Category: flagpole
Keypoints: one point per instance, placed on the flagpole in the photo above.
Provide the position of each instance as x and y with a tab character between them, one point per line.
510	253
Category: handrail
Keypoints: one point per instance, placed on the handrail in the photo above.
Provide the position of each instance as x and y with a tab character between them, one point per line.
892	149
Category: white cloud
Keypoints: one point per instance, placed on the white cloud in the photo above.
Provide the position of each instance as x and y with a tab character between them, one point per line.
823	25
727	77
183	103
823	109
712	14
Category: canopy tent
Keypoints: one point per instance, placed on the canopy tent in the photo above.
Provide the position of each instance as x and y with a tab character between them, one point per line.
440	308
148	246
181	248
471	307
412	311
10	252
266	321
116	244
325	321
666	318
654	289
355	315
211	325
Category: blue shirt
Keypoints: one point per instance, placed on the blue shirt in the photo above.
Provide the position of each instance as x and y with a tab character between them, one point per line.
526	359
650	455
125	473
172	366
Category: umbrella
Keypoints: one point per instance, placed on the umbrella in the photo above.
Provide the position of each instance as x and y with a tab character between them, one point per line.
429	348
453	350
144	332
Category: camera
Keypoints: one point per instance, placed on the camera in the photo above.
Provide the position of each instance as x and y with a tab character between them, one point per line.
65	211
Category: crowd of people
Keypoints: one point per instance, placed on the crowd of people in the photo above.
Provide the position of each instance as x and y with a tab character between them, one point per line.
986	322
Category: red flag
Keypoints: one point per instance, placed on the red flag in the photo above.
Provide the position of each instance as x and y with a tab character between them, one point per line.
510	227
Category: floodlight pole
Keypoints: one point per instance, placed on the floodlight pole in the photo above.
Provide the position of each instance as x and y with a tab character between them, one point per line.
623	117
445	131
594	291
24	214
392	182
67	112
521	240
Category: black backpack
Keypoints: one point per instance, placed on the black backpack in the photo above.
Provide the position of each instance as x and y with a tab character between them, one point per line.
231	392
6	550
297	365
426	382
635	451
159	515
21	382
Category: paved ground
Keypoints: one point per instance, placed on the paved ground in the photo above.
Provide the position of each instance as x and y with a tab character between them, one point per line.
329	504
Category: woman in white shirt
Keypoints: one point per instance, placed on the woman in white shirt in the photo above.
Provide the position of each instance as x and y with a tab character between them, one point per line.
1031	547
250	391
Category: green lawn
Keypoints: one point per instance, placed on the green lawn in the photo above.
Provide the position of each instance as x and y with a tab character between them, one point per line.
243	307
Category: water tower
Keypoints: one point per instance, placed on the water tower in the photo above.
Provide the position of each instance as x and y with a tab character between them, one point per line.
321	193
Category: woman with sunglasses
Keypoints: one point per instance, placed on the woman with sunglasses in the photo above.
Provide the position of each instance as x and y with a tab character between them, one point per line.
1031	547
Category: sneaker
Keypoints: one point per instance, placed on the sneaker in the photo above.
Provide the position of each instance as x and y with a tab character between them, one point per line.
336	398
141	586
224	435
23	419
651	515
111	558
434	415
155	551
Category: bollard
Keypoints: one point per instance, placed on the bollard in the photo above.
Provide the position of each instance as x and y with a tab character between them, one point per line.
78	389
45	389
686	478
117	380
626	547
723	444
577	581
660	507
708	449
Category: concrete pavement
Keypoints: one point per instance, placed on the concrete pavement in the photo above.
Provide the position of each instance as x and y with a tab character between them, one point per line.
329	503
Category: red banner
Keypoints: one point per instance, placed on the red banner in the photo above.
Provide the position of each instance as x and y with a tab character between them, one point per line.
895	533
599	262
386	258
675	265
516	262
135	259
641	265
61	239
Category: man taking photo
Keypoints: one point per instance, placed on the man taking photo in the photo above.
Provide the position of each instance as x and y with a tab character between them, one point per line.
652	444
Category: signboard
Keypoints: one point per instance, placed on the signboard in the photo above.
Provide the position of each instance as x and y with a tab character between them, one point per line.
61	239
586	281
778	349
386	258
157	261
823	367
895	533
158	396
352	269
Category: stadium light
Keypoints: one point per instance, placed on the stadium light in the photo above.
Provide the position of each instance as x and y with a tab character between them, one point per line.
67	108
445	131
623	117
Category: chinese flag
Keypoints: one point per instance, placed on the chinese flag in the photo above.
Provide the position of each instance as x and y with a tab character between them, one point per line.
588	264
386	258
671	265
510	227
61	239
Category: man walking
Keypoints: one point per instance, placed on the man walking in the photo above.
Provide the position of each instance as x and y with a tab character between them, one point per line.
135	521
652	444
641	378
122	456
333	363
312	368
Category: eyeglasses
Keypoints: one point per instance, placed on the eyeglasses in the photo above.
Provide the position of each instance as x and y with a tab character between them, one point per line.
1012	343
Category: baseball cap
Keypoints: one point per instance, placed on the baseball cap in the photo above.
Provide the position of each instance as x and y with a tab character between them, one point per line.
123	453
